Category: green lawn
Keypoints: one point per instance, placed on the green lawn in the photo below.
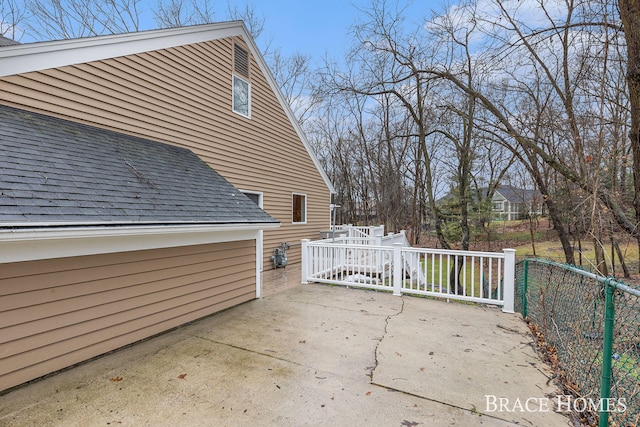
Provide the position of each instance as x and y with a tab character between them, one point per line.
433	271
552	250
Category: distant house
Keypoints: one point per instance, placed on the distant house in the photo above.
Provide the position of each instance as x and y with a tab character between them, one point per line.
507	203
511	203
145	179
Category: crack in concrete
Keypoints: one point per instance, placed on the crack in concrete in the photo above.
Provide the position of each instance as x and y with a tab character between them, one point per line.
338	307
314	368
251	351
375	351
474	410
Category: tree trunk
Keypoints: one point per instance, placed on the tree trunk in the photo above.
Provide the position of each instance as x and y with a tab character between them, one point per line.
454	275
630	16
625	269
532	234
555	214
601	264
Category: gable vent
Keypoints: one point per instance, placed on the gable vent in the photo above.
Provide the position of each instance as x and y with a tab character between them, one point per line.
241	60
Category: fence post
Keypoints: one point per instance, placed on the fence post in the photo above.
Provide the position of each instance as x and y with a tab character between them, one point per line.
607	349
509	280
397	269
378	239
305	260
525	280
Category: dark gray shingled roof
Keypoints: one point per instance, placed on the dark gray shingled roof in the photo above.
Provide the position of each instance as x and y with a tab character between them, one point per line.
58	171
7	42
517	195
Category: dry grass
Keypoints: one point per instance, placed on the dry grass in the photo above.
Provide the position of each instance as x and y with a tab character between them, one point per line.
551	249
517	235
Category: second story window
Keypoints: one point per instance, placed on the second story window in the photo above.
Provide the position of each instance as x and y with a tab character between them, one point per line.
241	96
241	84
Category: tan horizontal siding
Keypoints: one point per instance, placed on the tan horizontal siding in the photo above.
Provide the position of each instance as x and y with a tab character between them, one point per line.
74	355
58	312
182	96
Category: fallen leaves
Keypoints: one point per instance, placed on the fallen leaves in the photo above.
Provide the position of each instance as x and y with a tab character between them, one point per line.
182	376
116	379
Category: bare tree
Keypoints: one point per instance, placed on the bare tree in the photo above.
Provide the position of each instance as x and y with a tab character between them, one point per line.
253	21
66	19
295	78
556	56
387	64
181	13
630	17
12	14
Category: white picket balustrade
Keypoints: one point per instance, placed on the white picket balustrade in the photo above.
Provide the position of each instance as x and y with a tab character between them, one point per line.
388	263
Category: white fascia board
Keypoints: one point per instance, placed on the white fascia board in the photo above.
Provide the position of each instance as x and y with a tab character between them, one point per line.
33	244
44	55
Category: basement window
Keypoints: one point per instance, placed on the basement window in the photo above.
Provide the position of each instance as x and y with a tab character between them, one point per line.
299	211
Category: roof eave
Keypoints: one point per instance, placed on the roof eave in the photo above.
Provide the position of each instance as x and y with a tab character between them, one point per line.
29	57
86	225
35	243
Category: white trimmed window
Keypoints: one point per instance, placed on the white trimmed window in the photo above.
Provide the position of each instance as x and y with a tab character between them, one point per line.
299	210
241	96
241	85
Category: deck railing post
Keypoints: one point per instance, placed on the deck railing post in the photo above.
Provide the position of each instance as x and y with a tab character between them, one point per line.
509	280
397	269
306	259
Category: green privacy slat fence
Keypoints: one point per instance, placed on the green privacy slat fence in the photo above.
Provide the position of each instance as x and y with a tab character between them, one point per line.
593	323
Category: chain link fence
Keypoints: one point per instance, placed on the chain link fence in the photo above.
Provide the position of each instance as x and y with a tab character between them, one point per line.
589	328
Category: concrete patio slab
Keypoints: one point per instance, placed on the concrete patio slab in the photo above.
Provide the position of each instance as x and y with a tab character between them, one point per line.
308	355
469	357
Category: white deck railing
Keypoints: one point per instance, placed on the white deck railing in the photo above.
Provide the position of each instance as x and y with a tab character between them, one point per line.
352	235
388	263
